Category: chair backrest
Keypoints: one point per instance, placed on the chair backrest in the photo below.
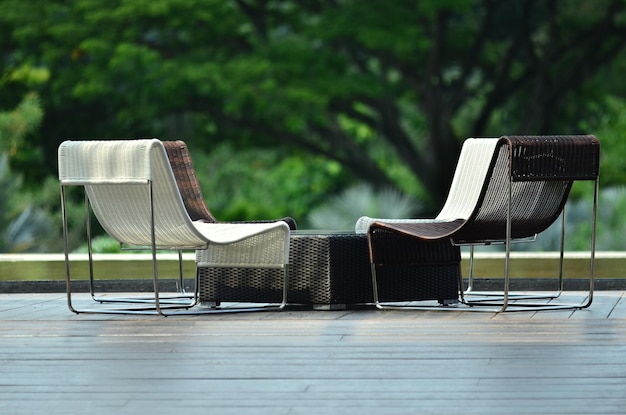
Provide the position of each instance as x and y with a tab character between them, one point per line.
117	176
188	185
541	170
471	173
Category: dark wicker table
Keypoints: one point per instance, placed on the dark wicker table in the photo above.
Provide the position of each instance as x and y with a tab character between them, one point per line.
331	270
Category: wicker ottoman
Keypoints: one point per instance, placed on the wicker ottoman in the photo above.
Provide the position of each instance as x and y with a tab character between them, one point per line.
332	270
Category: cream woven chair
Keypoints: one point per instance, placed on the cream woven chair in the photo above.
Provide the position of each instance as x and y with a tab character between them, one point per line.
130	187
504	191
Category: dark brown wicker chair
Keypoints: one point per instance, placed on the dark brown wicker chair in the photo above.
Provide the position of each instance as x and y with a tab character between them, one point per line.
180	160
504	190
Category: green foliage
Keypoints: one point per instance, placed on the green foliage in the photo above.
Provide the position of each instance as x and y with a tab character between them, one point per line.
388	90
29	232
263	184
17	124
24	227
611	224
26	75
611	220
343	210
293	101
8	186
46	199
609	124
102	244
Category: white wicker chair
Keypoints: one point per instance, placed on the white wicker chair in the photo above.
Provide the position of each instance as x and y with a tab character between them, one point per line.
132	191
467	183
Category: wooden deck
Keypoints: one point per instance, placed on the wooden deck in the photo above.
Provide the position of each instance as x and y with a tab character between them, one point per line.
312	362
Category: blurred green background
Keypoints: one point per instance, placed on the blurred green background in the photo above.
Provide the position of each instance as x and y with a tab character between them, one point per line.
324	110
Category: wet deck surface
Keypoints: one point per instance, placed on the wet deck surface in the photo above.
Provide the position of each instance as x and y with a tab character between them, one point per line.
361	361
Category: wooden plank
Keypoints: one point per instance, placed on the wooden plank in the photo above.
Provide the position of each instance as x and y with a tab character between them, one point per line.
619	311
303	362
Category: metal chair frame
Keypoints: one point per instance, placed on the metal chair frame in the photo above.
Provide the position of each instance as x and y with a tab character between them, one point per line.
501	300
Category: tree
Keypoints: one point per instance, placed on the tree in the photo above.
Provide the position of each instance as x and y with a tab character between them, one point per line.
387	89
23	227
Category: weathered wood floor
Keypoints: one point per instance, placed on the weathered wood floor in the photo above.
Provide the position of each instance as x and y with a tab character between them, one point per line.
312	362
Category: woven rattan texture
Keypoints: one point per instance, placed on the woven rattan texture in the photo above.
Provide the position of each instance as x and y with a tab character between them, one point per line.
575	157
335	269
185	175
535	205
118	176
428	270
542	170
189	186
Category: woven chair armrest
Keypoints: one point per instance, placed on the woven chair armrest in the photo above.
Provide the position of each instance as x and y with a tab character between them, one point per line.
244	245
291	222
364	222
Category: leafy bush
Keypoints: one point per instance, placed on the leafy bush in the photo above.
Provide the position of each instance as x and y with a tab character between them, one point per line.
343	210
102	244
611	225
259	183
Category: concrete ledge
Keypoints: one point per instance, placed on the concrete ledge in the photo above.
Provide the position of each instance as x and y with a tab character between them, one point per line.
545	264
102	286
549	284
28	273
51	267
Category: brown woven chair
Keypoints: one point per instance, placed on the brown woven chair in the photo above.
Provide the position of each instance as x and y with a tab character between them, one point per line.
180	160
504	190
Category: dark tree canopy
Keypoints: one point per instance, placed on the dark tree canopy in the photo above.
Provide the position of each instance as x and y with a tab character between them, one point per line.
387	88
